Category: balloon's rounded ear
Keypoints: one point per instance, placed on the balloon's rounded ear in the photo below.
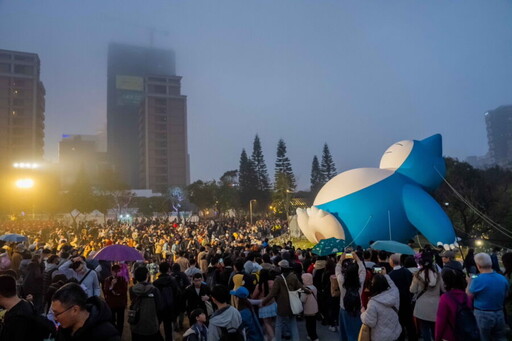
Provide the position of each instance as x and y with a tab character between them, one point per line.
434	144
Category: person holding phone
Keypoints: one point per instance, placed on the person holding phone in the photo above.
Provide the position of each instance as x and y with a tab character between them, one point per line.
351	274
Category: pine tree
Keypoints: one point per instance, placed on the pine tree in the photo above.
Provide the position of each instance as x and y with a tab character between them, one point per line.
316	176
260	166
284	167
247	179
327	168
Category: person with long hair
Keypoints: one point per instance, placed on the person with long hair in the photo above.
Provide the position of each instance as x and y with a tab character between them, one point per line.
455	295
350	273
381	314
250	322
426	288
268	312
469	262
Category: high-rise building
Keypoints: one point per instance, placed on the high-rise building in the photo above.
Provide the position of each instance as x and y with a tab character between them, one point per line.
22	106
499	135
130	68
163	134
80	153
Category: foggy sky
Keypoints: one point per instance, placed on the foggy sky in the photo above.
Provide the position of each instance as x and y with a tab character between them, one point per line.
358	75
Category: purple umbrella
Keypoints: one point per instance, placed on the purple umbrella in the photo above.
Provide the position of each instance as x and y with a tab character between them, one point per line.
118	253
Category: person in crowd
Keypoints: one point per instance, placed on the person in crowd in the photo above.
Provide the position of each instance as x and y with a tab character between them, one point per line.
182	261
469	263
226	272
381	315
426	287
17	257
287	281
367	255
86	278
146	306
171	298
251	266
310	306
115	291
250	322
201	259
227	319
331	287
410	264
33	283
82	318
351	274
192	269
454	285
449	262
506	259
19	316
197	331
268	312
489	291
57	282
51	266
196	295
319	272
494	259
402	278
383	261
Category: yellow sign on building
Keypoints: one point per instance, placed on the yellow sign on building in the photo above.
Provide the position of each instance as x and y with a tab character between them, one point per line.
133	83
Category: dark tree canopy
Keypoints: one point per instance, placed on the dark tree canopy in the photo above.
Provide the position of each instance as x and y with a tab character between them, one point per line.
247	179
259	165
327	168
316	176
283	170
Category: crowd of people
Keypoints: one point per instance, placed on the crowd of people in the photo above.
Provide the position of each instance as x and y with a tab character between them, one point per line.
227	280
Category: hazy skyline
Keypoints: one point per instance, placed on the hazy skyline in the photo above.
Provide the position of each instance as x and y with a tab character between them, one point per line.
356	75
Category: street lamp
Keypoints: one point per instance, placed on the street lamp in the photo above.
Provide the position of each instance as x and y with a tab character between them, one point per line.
25	183
288	204
250	209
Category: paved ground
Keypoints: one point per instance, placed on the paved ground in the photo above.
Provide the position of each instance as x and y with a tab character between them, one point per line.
323	333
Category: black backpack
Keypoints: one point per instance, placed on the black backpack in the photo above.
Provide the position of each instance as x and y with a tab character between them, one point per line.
465	327
352	301
232	334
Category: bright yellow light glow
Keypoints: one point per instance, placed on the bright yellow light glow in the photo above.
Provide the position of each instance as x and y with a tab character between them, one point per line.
25	183
479	243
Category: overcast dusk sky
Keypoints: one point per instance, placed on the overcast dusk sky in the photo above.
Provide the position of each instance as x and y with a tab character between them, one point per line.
358	75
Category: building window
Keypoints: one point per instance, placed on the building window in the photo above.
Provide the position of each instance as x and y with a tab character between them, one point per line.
5	68
24	58
5	56
24	69
157	89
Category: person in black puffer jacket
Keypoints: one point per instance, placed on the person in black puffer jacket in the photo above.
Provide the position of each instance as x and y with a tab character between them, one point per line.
82	318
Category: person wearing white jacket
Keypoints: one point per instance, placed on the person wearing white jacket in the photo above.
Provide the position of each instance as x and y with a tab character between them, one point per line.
381	315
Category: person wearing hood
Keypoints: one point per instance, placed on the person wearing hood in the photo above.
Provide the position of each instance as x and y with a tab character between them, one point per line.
310	306
198	331
82	318
426	287
381	315
226	317
148	298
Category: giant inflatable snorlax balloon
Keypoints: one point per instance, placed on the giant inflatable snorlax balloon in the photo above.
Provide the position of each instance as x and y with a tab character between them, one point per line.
391	202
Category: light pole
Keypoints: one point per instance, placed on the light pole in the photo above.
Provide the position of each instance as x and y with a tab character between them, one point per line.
250	209
288	204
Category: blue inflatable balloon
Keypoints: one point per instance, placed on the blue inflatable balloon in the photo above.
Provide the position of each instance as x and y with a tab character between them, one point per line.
391	202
